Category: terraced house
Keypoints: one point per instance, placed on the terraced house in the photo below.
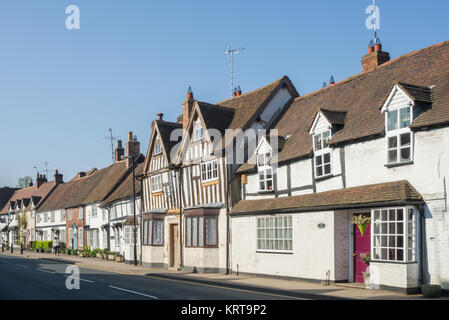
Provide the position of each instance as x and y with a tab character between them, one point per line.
374	145
185	177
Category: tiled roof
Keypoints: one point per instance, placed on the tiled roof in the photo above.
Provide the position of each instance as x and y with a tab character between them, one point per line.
391	193
5	194
417	93
334	117
125	189
165	129
361	97
247	105
216	117
27	193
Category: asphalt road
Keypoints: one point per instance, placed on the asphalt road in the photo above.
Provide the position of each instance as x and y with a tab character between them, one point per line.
29	279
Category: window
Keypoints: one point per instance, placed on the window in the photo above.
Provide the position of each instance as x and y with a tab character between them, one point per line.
274	234
93	211
209	171
399	136
80	237
62	214
198	134
93	238
53	214
157	147
70	214
153	231
62	236
322	157
105	239
394	235
45	217
265	171
80	213
201	231
156	183
104	214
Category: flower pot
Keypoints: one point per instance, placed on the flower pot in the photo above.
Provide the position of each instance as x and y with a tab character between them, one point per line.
431	290
119	259
366	279
362	228
111	257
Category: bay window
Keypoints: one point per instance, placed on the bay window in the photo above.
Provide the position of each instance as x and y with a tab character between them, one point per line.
265	171
399	135
209	171
394	235
156	183
201	231
153	232
322	154
274	234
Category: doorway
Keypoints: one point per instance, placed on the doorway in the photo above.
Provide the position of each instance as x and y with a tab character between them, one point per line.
174	246
362	245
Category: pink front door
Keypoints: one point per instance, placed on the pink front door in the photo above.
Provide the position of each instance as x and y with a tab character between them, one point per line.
361	245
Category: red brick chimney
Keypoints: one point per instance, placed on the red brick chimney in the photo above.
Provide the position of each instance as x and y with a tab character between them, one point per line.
238	91
40	179
57	178
119	151
375	56
187	106
132	148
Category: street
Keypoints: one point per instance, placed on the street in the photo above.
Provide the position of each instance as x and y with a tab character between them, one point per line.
30	279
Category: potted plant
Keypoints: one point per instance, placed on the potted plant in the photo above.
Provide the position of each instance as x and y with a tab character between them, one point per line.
366	258
362	222
111	256
119	258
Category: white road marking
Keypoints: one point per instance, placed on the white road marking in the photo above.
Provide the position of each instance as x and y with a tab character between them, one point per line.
22	265
90	281
42	270
141	294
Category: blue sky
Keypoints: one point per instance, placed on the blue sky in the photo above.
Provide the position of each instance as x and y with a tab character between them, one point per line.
61	90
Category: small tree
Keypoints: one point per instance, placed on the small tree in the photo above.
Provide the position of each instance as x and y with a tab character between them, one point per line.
24	182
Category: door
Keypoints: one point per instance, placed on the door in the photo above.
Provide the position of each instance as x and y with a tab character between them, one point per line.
362	245
174	246
75	240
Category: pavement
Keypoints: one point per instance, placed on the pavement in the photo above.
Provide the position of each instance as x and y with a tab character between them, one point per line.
179	284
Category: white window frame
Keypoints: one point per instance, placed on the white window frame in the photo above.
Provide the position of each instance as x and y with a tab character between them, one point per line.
198	134
409	232
268	233
157	147
209	171
398	132
320	152
70	214
62	214
80	213
53	216
156	183
93	211
263	167
80	237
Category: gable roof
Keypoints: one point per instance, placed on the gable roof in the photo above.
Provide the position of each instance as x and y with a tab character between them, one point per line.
361	97
390	193
125	190
5	194
25	195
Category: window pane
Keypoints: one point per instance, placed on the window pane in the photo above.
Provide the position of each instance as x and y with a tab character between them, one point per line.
158	226
400	253
392	156
405	154
392	215
392	228
194	232
400	214
392	142
326	136
405	139
405	117
327	158
318	142
392	120
201	232
319	171
211	231
327	169
189	232
392	254
150	232
400	243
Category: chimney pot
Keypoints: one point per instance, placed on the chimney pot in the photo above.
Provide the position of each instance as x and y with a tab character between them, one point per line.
160	116
189	93
371	47
239	91
130	136
332	81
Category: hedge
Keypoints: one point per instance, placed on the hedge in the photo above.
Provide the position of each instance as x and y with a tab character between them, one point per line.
41	244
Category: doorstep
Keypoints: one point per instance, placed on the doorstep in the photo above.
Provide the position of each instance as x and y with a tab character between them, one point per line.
354	285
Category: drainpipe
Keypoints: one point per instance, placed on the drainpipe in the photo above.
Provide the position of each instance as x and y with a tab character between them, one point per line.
228	188
141	219
422	241
181	256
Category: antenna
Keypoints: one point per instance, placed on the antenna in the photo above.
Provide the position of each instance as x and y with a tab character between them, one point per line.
230	54
112	139
46	169
375	20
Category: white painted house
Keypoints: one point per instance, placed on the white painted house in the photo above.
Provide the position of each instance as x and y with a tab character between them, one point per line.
376	145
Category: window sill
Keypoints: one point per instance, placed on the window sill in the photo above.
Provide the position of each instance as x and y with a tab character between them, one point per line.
266	191
393	262
324	177
274	251
398	164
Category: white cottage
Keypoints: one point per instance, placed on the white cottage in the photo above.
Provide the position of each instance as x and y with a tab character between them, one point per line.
375	145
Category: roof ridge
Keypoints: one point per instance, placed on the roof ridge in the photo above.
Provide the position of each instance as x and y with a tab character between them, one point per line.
207	104
364	74
253	91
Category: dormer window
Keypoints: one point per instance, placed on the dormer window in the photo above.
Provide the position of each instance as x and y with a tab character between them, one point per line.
399	136
157	147
322	154
265	171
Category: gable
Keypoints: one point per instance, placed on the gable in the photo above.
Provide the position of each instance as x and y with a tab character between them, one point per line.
397	99
320	124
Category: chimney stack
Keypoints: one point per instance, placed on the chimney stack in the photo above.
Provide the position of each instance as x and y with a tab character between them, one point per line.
119	151
40	179
132	148
160	116
375	56
238	91
57	178
187	106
